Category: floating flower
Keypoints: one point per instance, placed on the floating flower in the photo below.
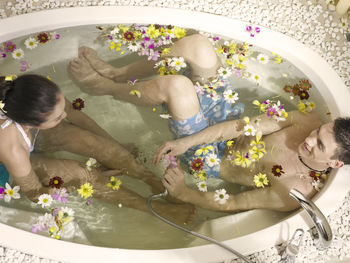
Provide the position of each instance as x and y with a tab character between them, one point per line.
304	84
277	170
256	153
178	63
212	160
31	43
258	141
169	161
45	200
2	54
85	190
229	143
116	46
204	150
179	32
134	46
317	185
18	53
165	116
9	46
61	195
78	104
302	107
261	180
56	182
271	112
24	65
197	164
43	37
2	191
303	94
242	160
230	96
221	196
91	163
202	186
135	92
10	193
132	81
262	58
288	88
224	72
128	36
114	183
256	78
252	30
249	130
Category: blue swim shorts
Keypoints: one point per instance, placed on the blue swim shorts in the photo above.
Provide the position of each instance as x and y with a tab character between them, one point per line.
4	175
212	111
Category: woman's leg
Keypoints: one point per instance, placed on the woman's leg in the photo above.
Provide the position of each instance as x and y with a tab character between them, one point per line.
74	174
108	152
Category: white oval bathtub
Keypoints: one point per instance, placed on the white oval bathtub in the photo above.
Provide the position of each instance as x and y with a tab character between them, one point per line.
311	64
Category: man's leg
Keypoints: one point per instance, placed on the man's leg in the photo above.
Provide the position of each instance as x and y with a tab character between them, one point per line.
74	174
196	50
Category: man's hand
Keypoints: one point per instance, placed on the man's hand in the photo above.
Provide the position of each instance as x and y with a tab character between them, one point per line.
174	182
172	148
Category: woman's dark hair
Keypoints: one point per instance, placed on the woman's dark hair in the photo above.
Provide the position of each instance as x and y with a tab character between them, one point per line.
29	98
341	131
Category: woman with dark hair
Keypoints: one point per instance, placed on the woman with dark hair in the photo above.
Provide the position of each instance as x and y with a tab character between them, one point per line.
32	103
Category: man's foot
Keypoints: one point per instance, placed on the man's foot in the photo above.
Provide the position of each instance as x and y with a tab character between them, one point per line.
181	214
88	79
101	67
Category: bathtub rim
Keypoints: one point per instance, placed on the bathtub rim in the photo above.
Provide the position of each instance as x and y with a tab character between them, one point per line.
283	45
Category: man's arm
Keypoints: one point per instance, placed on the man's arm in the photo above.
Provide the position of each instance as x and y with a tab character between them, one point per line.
83	121
267	198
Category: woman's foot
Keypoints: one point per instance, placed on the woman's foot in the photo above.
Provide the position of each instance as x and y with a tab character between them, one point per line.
101	67
88	79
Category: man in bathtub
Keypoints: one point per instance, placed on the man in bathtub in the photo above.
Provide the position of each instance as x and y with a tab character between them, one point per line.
288	154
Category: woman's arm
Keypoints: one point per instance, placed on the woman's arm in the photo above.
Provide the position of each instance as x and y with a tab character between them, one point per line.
81	120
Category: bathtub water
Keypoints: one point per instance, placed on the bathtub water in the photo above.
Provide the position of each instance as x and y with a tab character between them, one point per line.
103	228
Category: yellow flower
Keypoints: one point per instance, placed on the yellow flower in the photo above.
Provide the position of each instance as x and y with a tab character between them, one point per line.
123	28
165	51
86	190
242	160
179	32
204	150
246	119
114	183
261	180
278	59
115	46
258	142
302	107
10	77
257	153
312	105
262	106
230	143
135	92
220	50
202	175
153	32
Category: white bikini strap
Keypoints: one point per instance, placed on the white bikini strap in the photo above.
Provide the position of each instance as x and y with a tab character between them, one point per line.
6	123
25	136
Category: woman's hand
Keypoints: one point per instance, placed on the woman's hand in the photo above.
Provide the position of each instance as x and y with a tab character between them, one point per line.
172	148
174	182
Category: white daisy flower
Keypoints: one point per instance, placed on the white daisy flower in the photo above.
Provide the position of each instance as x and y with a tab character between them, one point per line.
212	159
178	63
225	72
221	196
249	130
11	193
68	211
18	53
115	31
256	78
31	43
230	96
202	186
262	58
134	46
45	200
213	96
91	163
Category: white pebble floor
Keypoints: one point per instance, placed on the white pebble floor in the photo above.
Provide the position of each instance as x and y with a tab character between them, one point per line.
311	22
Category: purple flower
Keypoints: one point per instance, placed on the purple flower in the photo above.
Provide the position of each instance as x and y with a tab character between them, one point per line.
57	36
247	155
24	65
248	28
61	195
110	37
146	39
257	29
238	73
154	55
271	112
216	38
35	228
2	190
55	212
2	54
9	46
169	161
89	202
252	35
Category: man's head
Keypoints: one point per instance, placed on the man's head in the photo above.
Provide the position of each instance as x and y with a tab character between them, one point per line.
329	143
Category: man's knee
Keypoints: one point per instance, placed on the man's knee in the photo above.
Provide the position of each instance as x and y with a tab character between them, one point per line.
179	85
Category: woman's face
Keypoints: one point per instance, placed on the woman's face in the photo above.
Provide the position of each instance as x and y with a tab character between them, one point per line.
56	116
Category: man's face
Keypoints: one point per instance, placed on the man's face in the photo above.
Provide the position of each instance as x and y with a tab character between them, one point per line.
320	146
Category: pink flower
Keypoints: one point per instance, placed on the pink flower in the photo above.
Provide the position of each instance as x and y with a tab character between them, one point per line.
24	65
61	195
9	46
248	28
169	161
271	112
